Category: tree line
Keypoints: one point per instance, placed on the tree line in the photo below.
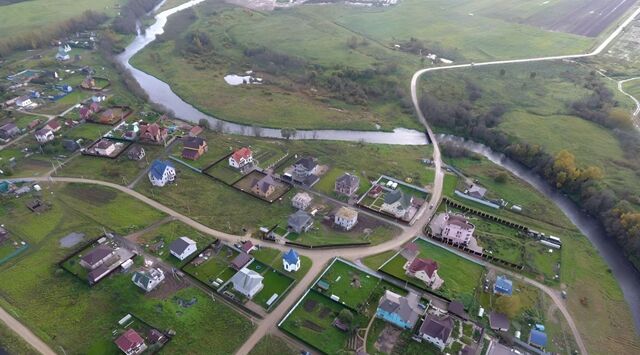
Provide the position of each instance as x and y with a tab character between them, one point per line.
130	13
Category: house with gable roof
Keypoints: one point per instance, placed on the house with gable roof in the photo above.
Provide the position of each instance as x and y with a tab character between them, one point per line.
182	247
161	173
398	310
425	270
148	280
397	203
247	282
503	286
347	184
131	343
241	157
437	330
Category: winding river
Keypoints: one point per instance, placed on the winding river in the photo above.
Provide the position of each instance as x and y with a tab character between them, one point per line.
627	276
160	92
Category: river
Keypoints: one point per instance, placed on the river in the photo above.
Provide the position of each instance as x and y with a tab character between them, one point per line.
160	93
627	276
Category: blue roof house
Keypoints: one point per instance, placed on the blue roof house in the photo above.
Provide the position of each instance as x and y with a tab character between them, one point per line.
291	261
161	173
400	311
537	339
503	286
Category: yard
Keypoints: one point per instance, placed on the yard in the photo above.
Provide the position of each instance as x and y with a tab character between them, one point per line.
461	276
352	286
275	283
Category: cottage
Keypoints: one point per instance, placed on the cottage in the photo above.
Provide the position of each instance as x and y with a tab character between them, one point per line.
264	187
299	222
24	101
306	166
437	330
291	261
88	83
182	247
248	247
425	270
195	131
301	200
148	280
346	218
53	125
161	173
247	282
397	203
105	147
457	229
8	131
347	184
110	116
193	148
97	257
400	311
503	286
70	145
499	321
136	152
537	338
241	157
153	133
476	191
131	343
44	135
240	261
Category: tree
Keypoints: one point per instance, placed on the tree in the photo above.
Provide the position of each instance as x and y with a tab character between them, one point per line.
204	123
502	72
533	75
288	133
345	316
501	177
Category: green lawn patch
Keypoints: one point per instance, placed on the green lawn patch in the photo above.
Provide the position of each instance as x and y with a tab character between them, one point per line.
354	287
275	283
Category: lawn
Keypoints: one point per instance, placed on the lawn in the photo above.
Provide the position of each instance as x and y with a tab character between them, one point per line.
461	276
88	132
273	258
375	261
60	317
314	326
271	344
352	286
275	283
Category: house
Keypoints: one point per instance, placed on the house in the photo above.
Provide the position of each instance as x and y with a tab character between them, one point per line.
44	135
537	338
24	101
153	133
97	257
154	336
457	309
503	286
248	247
105	147
347	184
247	282
94	107
8	131
499	321
400	311
375	191
148	280
240	261
136	152
437	330
85	112
70	145
53	125
62	55
299	222
496	348
241	157
425	270
306	166
131	343
193	148
161	173
264	187
195	131
182	247
88	83
33	124
476	191
410	251
397	203
346	218
457	229
109	116
301	200
291	261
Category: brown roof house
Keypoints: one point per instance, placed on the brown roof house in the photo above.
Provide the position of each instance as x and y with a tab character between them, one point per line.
499	321
347	184
131	343
437	330
153	133
97	257
264	187
193	148
240	261
425	270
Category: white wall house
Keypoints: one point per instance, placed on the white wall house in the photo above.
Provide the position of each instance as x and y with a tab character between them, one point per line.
182	247
161	173
44	135
241	157
291	261
346	218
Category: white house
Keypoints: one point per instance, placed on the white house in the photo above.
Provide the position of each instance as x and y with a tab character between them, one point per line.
437	331
182	247
105	147
148	280
241	157
301	200
291	261
346	218
24	101
44	135
396	203
457	229
247	282
161	173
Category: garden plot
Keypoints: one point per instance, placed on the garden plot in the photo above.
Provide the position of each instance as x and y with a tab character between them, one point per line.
347	284
275	284
10	247
250	184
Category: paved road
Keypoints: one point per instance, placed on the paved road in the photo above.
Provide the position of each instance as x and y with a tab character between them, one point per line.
25	333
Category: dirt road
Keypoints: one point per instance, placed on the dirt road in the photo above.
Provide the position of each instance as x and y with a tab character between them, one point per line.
25	333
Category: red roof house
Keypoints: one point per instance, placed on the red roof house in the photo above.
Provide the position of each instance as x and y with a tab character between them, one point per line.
130	342
153	133
53	125
427	265
241	157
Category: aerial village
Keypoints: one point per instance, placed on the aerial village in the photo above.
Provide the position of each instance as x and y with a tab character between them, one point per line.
455	288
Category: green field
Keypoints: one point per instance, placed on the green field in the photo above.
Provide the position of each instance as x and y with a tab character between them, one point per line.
271	344
461	276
